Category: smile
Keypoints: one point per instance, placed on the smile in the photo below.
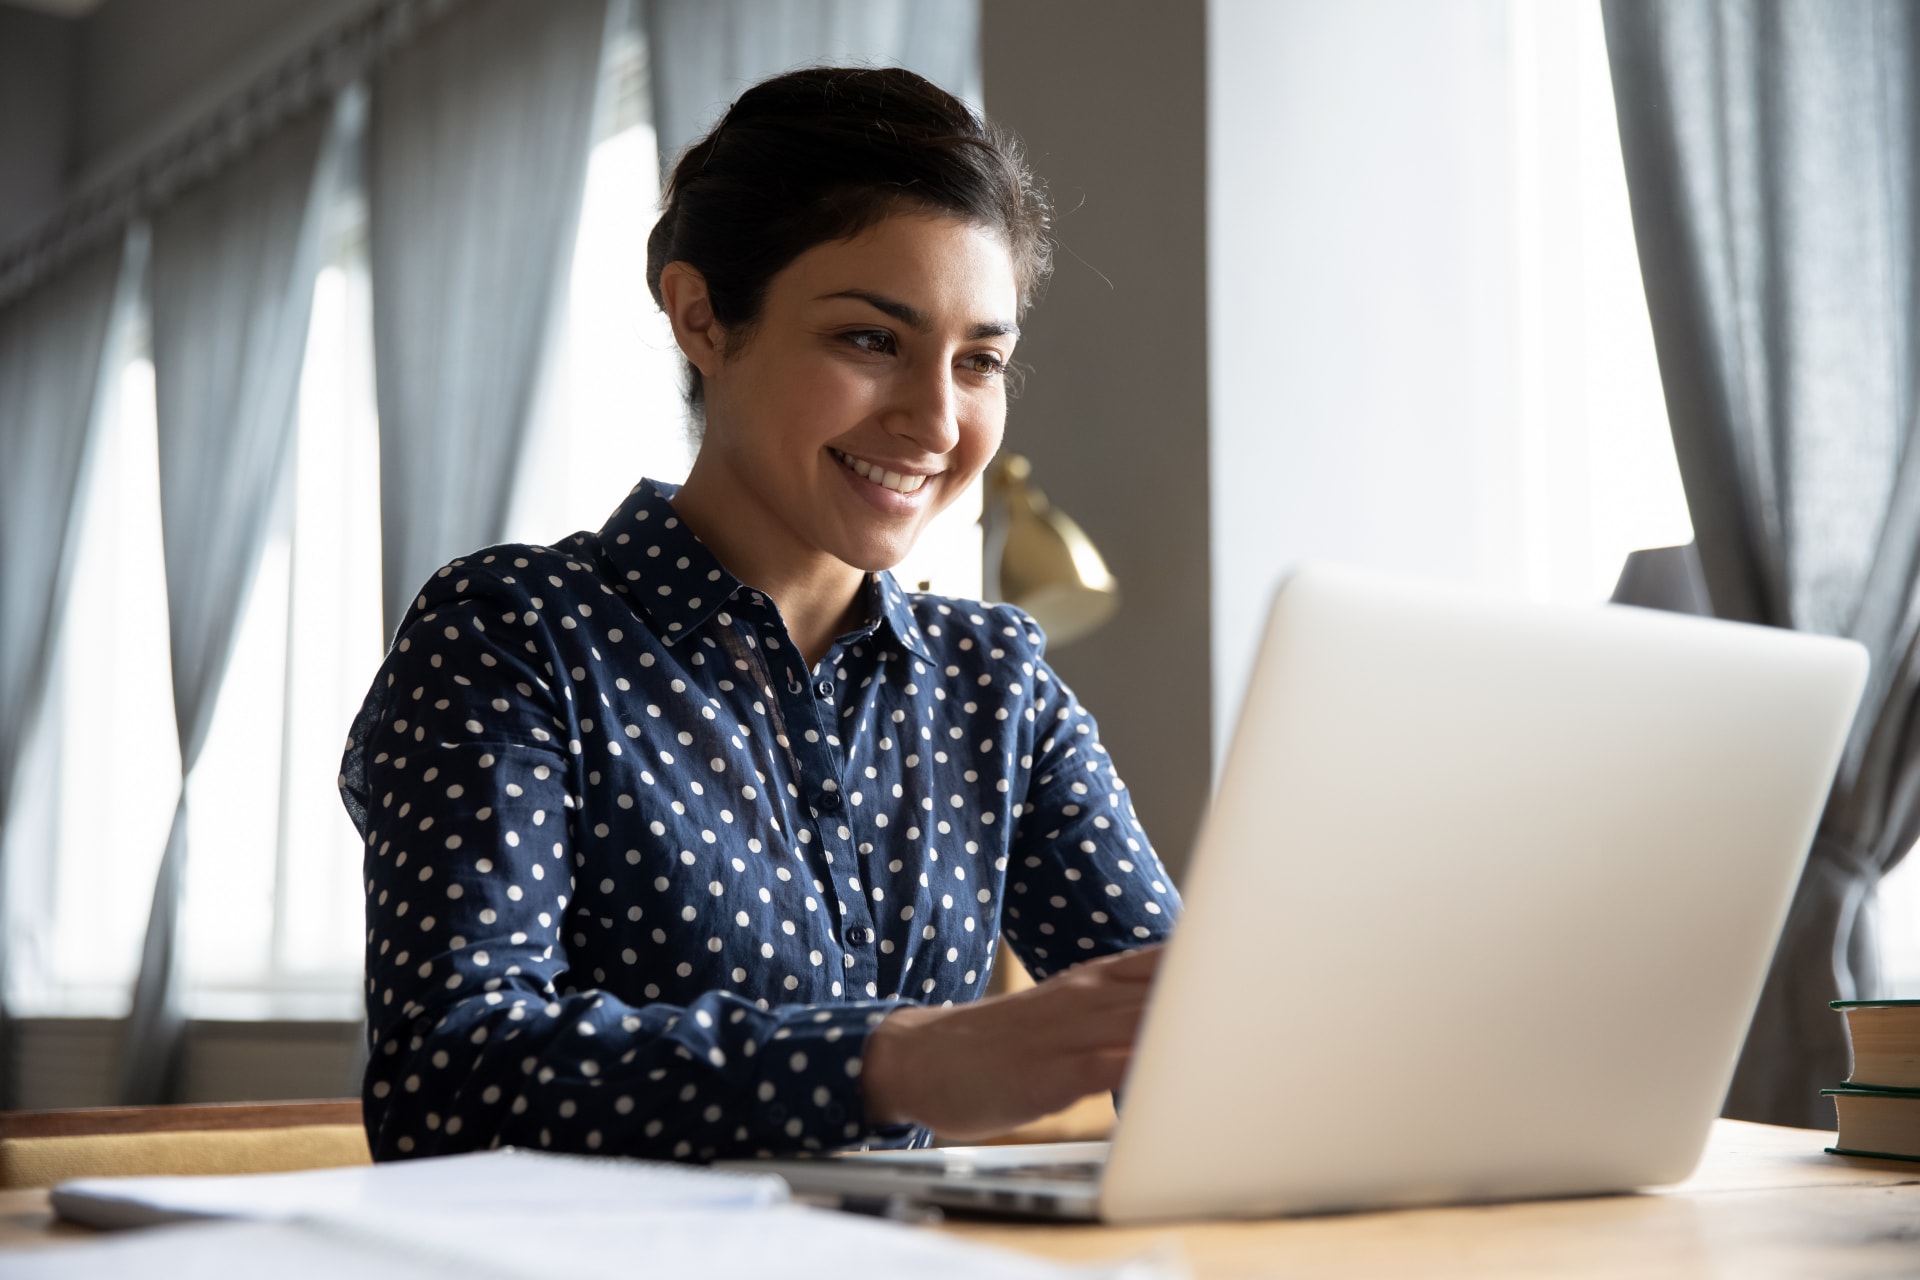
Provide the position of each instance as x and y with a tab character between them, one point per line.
878	475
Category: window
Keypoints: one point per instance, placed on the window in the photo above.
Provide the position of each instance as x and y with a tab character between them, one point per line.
272	920
609	409
1598	476
1600	473
107	730
1900	929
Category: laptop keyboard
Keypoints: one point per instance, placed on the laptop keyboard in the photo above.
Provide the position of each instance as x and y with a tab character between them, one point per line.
1039	1171
1076	1162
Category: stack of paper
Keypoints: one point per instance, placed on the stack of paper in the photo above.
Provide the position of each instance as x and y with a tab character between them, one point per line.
790	1242
505	1215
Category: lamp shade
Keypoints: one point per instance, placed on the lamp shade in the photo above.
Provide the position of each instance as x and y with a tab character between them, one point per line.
1039	559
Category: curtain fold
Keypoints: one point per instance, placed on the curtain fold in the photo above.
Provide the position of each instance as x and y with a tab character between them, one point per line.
479	140
704	53
233	269
1770	148
55	364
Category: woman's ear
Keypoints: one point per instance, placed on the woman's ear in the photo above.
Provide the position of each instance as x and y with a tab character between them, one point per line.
683	296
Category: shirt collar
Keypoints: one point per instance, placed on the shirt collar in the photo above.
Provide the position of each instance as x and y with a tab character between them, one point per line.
678	584
897	614
667	571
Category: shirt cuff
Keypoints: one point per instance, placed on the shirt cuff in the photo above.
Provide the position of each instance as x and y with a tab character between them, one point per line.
809	1091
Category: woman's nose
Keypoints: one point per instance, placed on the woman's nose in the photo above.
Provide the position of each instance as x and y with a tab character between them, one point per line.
929	409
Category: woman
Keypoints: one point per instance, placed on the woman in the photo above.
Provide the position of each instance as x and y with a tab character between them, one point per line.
694	837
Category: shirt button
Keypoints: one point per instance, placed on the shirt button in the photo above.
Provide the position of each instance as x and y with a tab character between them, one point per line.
859	936
824	688
829	802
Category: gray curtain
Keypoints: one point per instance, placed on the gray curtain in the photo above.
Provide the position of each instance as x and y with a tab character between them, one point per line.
478	151
703	53
1772	151
233	268
55	362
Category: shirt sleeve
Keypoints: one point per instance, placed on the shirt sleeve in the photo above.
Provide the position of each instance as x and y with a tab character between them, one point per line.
461	775
1082	878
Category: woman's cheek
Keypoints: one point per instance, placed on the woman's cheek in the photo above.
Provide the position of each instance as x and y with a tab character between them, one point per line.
982	427
840	395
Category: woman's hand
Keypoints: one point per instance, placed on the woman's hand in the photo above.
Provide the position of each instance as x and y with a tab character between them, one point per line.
973	1070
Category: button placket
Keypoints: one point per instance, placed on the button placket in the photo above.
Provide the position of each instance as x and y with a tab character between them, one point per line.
860	935
861	697
822	799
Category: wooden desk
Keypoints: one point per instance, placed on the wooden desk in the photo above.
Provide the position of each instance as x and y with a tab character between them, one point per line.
1765	1202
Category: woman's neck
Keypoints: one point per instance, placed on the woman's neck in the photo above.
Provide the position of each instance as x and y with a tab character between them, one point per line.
816	593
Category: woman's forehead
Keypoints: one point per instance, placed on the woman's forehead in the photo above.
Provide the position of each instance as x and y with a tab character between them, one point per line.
941	268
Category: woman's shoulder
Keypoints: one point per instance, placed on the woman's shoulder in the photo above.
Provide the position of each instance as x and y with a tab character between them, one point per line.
958	629
525	576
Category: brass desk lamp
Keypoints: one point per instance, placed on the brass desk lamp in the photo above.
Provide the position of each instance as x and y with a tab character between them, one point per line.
1039	559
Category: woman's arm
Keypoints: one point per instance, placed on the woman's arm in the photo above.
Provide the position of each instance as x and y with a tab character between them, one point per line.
970	1071
1083	880
488	1025
1087	904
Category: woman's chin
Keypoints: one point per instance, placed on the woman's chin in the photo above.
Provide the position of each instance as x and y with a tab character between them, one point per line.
876	535
872	556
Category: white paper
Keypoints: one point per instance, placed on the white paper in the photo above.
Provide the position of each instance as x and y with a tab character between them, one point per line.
219	1251
507	1181
507	1215
790	1242
786	1241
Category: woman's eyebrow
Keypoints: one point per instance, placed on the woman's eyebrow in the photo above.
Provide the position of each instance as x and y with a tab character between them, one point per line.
916	319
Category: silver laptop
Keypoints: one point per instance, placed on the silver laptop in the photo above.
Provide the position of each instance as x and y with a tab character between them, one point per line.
1480	912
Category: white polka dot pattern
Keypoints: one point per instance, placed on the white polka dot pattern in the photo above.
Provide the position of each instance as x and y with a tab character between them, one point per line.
638	883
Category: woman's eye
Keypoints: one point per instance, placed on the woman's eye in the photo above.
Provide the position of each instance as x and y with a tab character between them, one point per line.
986	364
877	341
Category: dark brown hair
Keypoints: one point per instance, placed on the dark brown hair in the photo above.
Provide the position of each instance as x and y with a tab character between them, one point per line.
822	154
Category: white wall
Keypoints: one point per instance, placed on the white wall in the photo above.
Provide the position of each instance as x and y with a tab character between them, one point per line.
1358	301
1429	346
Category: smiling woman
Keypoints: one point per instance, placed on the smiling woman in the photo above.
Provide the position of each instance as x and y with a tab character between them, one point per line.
695	835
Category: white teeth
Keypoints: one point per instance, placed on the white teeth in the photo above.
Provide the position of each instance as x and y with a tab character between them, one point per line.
886	479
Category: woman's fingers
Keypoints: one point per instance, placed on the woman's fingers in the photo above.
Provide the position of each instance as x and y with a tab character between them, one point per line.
1129	968
1008	1059
1135	966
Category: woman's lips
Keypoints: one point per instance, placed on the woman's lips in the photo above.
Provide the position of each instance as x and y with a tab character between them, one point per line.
873	473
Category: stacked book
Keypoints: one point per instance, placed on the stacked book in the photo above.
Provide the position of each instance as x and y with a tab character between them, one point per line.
1879	1105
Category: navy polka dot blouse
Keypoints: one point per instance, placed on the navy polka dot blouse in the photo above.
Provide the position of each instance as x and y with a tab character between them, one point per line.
640	882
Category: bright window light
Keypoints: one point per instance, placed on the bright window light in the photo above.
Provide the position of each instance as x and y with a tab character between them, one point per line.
1597	469
609	409
335	642
118	755
273	912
